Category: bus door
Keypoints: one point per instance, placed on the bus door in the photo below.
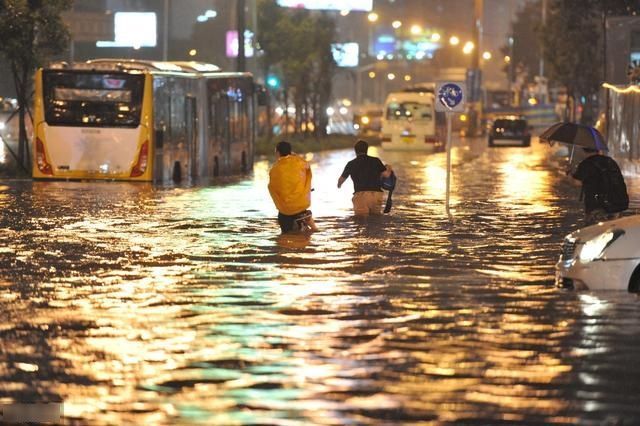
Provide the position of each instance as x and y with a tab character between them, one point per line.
191	123
220	118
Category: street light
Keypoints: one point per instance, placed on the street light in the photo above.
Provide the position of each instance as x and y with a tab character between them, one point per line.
396	24
372	17
454	41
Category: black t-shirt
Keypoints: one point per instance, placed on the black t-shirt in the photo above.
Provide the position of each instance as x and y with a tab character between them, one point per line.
591	177
365	172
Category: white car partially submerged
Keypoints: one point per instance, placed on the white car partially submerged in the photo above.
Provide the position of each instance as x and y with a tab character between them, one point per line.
605	256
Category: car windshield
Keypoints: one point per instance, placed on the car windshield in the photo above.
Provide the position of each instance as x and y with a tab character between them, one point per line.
92	98
510	125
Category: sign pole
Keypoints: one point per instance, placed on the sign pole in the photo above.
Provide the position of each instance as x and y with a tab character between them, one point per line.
448	115
450	100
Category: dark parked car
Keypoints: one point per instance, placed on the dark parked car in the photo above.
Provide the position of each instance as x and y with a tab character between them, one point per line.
511	130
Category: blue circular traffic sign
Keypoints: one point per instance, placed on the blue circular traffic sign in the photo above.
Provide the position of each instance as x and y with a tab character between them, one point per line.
450	95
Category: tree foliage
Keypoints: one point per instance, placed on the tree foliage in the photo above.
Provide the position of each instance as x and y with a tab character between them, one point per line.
525	49
31	31
296	46
571	41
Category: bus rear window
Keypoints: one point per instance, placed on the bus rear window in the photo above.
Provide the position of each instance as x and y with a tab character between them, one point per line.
92	99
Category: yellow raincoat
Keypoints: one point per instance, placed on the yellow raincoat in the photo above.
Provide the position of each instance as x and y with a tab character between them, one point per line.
290	184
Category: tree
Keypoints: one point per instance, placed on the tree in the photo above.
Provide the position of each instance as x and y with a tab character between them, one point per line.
296	45
571	40
524	52
31	31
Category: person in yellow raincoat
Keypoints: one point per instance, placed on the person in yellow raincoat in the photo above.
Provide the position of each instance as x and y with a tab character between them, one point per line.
290	189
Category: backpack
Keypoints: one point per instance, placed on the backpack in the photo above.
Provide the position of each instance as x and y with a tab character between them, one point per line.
389	183
612	192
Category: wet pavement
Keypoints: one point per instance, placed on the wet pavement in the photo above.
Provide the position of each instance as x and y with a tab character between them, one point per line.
135	304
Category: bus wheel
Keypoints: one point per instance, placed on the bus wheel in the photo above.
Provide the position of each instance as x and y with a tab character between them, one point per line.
177	172
243	162
216	167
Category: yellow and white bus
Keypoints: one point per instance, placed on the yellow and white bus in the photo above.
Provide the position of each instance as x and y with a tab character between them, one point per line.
142	121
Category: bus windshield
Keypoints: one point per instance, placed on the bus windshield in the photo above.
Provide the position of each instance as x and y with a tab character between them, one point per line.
409	111
92	99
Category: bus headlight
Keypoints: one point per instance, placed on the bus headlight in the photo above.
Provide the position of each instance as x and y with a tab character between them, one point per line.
594	248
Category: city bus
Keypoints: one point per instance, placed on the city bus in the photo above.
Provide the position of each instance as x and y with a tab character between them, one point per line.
410	121
142	121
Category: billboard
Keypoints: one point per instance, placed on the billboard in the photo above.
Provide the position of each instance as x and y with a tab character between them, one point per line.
345	54
232	44
358	5
132	29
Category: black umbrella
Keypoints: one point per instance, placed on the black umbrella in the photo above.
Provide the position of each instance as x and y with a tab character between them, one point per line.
575	135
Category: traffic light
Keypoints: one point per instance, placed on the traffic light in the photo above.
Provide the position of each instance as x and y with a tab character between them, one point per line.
273	81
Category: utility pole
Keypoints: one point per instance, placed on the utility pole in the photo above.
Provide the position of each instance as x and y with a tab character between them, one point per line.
165	33
544	22
241	25
476	81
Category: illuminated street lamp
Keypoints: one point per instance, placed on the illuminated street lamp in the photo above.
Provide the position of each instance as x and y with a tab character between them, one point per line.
396	24
372	17
372	74
435	37
468	48
486	55
454	41
391	76
416	29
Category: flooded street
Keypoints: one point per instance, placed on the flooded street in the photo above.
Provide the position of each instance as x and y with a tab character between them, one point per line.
135	304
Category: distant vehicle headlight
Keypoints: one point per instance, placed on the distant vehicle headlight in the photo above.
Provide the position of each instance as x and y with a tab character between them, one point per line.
594	248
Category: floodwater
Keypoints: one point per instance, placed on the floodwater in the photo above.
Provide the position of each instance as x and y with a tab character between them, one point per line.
135	304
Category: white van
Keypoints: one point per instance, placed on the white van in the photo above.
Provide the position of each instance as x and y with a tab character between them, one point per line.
410	121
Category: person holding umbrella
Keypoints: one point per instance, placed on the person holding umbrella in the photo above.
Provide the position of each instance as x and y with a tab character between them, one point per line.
603	188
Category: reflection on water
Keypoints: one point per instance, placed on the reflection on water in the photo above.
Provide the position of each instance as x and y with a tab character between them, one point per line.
135	304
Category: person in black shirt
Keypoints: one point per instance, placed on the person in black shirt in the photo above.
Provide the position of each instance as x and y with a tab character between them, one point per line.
365	172
589	172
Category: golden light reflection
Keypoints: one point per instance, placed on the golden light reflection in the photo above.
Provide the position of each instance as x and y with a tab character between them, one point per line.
434	186
522	188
